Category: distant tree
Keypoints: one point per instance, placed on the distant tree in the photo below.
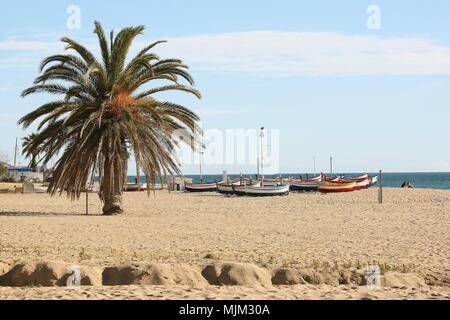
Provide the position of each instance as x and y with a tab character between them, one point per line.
32	153
3	170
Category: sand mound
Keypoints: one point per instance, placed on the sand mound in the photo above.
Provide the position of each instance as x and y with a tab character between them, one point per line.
91	276
153	274
316	277
3	268
287	276
48	274
233	273
400	280
351	277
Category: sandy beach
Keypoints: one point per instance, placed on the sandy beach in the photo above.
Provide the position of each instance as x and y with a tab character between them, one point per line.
408	234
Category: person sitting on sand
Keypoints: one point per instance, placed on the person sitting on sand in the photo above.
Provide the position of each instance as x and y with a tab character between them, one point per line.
407	184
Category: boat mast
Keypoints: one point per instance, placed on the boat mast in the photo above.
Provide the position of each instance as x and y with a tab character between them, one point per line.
257	166
201	159
331	165
314	164
261	135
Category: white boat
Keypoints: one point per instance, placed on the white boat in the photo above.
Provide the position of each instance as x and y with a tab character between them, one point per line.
270	183
201	187
363	176
266	190
133	187
237	188
227	188
316	178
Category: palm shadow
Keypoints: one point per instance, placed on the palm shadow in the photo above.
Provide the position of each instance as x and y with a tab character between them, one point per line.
46	214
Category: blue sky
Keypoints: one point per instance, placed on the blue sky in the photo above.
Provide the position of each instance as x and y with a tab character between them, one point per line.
373	99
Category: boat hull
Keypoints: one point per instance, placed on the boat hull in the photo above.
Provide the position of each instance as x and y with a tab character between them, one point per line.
317	178
133	187
200	187
363	183
304	186
239	188
329	187
264	191
226	189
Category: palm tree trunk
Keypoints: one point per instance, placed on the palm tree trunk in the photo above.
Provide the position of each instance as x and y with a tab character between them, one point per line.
112	193
33	164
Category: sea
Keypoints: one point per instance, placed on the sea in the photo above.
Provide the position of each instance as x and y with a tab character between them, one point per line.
429	180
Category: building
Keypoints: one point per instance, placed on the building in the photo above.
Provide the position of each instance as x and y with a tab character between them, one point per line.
24	173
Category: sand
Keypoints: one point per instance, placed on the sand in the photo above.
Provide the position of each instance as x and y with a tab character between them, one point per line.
297	292
408	233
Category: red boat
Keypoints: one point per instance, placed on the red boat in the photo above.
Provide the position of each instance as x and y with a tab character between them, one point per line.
332	187
363	183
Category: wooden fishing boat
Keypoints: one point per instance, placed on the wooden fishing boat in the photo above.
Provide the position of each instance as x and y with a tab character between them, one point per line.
133	187
304	185
331	187
200	187
317	178
240	186
227	187
270	180
363	183
239	190
363	176
257	191
333	179
270	183
374	181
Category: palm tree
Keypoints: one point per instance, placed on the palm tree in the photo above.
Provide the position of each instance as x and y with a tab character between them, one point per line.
34	153
106	113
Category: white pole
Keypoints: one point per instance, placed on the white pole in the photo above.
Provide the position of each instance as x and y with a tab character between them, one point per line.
261	135
314	161
201	159
257	167
331	165
15	155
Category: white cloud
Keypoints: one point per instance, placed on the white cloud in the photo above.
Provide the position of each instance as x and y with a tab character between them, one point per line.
310	54
35	45
287	53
